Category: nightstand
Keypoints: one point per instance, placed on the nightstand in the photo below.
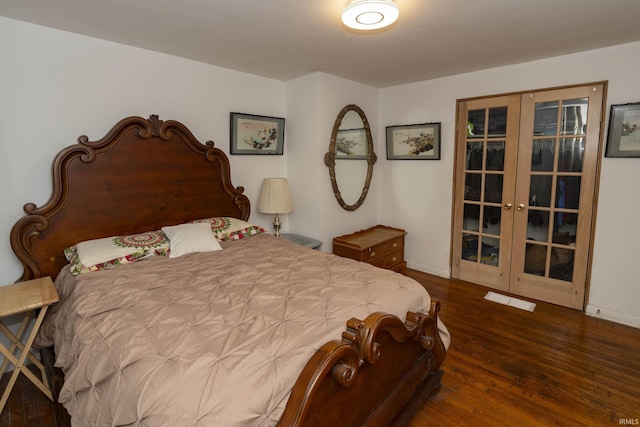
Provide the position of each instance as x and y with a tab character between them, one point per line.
302	240
24	297
380	245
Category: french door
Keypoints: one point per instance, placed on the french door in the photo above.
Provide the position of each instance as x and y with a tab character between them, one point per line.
525	186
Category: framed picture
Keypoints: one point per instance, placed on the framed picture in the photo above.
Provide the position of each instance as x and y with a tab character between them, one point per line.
252	134
414	142
623	139
351	144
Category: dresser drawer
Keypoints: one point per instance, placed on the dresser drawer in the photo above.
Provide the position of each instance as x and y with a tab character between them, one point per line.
384	248
393	258
399	268
378	262
387	260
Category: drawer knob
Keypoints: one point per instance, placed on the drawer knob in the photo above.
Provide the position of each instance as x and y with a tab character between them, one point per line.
373	254
394	258
395	245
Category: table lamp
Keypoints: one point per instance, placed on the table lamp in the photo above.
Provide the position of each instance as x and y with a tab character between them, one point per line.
275	198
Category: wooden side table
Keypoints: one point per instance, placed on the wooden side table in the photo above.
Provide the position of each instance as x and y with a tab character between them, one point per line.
379	245
24	297
302	240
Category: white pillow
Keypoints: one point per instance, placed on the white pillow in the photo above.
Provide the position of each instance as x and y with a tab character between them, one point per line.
187	238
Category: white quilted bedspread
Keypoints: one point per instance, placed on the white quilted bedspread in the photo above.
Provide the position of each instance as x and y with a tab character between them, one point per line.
209	339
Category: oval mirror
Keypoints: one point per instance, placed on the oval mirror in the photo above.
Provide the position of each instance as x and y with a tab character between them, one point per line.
351	157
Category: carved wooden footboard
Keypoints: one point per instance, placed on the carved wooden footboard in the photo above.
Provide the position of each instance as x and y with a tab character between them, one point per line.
371	376
378	375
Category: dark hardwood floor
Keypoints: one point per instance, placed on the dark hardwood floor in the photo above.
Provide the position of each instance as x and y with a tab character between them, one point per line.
505	367
509	367
27	406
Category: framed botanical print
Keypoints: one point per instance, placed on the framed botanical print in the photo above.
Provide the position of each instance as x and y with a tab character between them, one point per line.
251	134
413	142
623	138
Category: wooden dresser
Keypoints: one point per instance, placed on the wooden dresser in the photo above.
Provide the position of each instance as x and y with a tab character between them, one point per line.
379	245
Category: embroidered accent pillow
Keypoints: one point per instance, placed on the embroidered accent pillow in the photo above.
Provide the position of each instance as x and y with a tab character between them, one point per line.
227	228
110	252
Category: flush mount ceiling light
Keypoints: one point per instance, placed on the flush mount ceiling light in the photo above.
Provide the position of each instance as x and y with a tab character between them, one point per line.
370	14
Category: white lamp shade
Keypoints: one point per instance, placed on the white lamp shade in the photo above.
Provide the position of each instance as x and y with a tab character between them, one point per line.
370	14
275	196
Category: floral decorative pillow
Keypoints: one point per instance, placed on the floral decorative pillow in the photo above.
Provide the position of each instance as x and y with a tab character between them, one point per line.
227	228
110	252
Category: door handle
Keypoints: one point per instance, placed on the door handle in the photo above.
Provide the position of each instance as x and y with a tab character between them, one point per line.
508	206
520	206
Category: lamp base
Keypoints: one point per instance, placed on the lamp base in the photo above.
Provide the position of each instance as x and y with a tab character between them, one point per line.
276	225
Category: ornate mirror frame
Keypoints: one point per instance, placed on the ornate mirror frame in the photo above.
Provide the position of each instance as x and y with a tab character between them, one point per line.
330	158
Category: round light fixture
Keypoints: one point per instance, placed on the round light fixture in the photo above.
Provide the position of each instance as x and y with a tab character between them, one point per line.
370	14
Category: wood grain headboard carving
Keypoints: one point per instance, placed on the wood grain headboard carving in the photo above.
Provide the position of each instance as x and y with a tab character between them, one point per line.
143	175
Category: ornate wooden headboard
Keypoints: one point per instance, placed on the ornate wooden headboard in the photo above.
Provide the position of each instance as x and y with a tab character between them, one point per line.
143	175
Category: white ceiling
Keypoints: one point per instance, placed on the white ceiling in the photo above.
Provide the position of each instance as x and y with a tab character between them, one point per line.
285	39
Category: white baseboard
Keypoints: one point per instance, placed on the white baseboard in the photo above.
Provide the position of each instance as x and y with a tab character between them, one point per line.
429	269
614	316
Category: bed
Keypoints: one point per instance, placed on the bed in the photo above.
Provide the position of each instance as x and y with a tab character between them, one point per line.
252	330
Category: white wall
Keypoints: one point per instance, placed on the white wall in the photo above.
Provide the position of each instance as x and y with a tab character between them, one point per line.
56	86
313	104
418	195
